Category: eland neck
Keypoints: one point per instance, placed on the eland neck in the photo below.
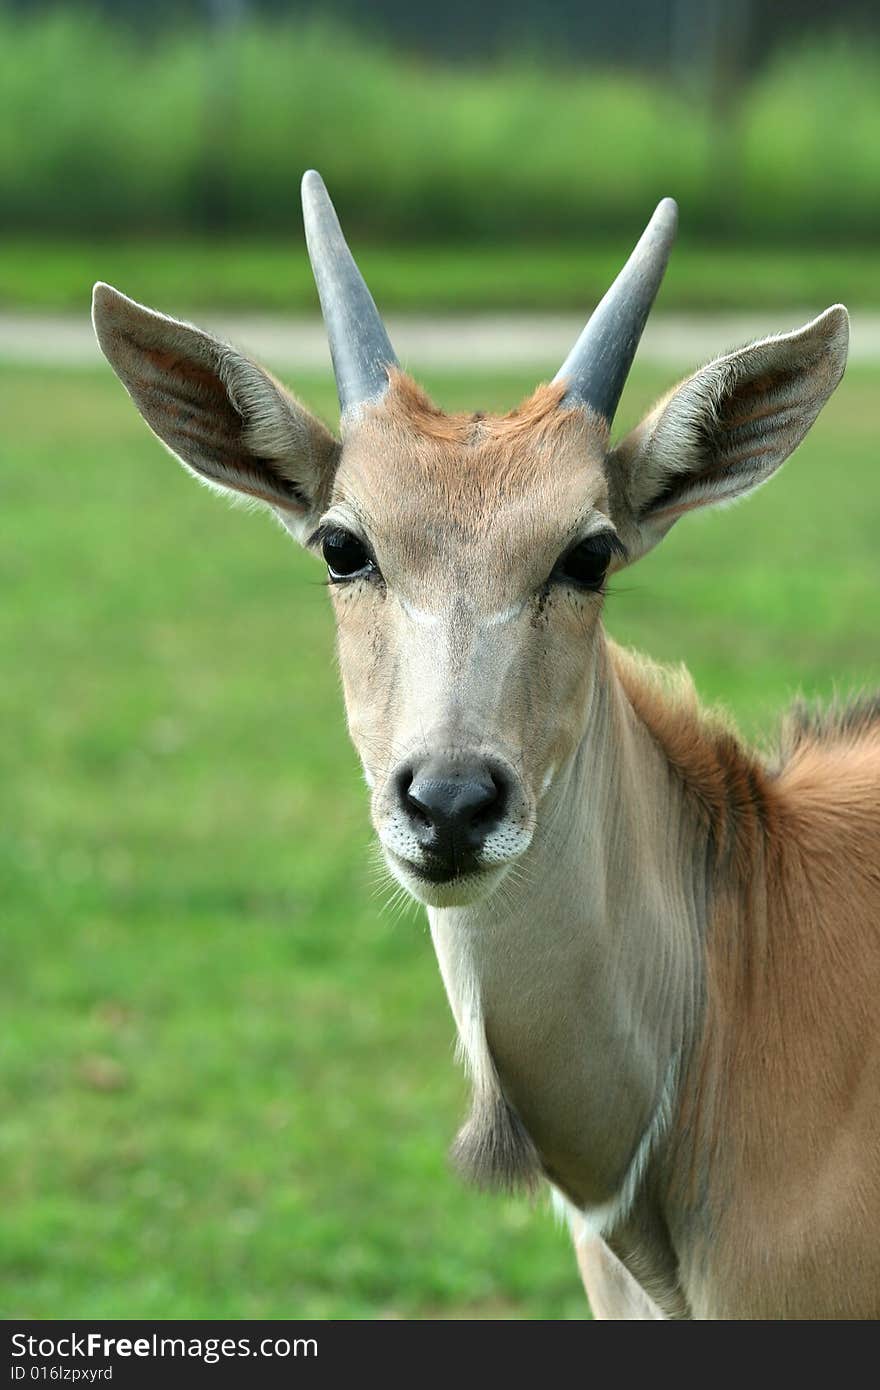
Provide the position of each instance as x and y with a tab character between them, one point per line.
576	986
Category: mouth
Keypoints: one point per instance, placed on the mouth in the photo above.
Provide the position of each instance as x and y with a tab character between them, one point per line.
438	886
439	873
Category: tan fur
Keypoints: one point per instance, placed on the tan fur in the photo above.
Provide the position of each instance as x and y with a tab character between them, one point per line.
465	467
782	1098
725	780
537	418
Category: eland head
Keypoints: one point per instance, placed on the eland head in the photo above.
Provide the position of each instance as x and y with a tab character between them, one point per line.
468	554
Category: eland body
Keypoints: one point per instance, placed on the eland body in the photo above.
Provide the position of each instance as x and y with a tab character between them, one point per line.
662	951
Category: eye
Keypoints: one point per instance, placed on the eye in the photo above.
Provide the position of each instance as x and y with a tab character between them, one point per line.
347	557
585	565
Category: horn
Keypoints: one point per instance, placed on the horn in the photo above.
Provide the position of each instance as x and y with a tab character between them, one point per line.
598	365
359	345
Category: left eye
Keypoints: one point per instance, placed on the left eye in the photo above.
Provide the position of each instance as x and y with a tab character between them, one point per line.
585	565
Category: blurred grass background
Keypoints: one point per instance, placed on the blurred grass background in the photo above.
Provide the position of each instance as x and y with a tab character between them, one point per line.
515	181
273	276
180	129
227	1073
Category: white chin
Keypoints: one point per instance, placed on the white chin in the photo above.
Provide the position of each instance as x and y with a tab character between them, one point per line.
453	892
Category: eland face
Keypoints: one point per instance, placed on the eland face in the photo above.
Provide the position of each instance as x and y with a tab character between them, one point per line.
467	560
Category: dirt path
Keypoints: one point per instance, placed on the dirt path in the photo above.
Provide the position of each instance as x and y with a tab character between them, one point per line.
489	342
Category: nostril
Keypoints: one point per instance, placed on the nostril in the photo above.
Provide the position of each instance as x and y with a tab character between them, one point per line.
404	783
492	803
417	811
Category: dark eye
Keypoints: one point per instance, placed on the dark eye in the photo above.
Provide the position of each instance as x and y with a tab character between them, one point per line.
584	566
346	556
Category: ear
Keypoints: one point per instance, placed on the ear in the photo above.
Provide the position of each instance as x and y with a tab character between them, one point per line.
724	431
219	413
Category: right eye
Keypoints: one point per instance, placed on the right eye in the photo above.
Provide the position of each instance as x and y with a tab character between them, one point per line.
347	557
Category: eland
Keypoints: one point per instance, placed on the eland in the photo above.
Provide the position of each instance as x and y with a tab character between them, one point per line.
662	950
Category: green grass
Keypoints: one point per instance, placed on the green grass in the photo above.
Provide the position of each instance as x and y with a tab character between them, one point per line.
191	276
228	1078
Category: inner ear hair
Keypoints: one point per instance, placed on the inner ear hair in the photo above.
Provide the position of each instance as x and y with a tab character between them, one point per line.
727	429
223	416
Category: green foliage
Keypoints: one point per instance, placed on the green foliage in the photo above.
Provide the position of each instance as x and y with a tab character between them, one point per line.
227	1074
102	130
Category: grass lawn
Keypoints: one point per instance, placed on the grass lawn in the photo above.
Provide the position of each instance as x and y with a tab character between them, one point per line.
228	1078
274	276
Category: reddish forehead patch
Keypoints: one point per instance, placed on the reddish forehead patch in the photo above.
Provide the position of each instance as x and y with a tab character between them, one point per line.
409	461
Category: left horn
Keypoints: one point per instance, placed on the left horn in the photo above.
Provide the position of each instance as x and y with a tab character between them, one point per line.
359	345
598	365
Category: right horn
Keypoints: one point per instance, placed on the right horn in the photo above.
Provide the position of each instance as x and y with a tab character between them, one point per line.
598	365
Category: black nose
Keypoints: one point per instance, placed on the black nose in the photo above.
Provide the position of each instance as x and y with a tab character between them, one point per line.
451	807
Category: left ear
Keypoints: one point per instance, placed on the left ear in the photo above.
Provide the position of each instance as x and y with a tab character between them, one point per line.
726	429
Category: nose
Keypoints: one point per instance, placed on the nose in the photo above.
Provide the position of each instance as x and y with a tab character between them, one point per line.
451	807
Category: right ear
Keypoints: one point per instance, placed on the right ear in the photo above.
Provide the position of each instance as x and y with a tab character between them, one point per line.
219	413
